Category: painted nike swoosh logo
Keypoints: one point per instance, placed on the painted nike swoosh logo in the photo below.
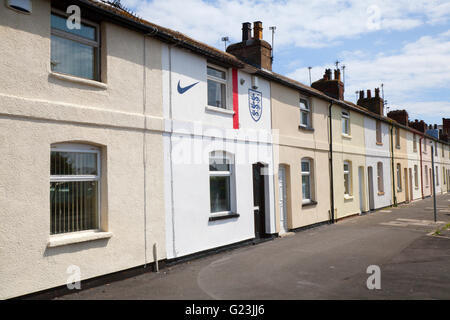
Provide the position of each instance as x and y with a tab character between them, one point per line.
183	90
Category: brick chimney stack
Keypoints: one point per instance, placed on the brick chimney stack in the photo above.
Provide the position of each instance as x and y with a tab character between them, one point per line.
253	50
446	126
373	104
418	125
331	87
401	116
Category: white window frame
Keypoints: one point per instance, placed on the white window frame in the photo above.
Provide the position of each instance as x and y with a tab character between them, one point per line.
310	175
378	132
306	111
397	137
437	175
96	44
220	155
221	81
345	117
416	176
80	148
399	177
380	177
349	181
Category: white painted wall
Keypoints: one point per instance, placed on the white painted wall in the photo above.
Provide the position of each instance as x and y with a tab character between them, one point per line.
414	160
378	153
195	132
38	110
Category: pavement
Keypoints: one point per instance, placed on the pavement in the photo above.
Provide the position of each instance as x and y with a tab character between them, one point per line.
327	262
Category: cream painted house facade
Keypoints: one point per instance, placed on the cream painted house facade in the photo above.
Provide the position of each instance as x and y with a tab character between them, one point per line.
302	195
401	185
349	162
82	159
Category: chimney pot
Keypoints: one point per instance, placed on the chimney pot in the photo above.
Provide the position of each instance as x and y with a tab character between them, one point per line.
337	74
369	94
377	92
246	31
257	30
361	94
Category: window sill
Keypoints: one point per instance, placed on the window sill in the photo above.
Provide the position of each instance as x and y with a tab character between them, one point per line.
224	216
397	147
306	128
347	197
66	77
346	136
381	193
219	110
309	203
77	237
379	143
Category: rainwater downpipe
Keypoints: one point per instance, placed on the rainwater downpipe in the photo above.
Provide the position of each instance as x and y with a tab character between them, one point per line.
144	147
421	171
331	162
144	138
392	164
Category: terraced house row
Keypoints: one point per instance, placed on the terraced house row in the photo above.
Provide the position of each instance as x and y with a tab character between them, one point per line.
124	143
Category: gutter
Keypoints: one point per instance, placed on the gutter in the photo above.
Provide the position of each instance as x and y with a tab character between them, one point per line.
99	8
331	163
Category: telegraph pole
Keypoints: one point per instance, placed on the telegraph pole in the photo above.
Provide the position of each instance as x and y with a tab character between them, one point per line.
309	69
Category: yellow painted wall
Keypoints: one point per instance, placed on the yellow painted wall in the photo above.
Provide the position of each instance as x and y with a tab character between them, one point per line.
348	148
295	144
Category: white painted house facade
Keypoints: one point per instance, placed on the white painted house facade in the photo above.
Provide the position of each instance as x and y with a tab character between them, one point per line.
378	163
218	127
413	141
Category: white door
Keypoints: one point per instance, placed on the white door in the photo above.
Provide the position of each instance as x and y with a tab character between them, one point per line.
282	186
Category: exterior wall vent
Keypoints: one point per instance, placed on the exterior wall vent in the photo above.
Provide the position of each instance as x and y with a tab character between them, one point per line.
23	6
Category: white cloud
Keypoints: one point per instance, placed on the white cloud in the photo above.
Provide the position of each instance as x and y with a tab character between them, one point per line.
419	67
304	23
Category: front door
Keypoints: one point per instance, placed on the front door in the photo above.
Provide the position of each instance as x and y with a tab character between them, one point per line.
259	201
282	197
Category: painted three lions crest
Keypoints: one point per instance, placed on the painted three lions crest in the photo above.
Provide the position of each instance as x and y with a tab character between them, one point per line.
255	104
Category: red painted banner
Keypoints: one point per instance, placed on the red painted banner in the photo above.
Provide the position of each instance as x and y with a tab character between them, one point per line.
235	100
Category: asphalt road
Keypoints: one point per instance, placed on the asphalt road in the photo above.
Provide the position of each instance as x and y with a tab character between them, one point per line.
327	262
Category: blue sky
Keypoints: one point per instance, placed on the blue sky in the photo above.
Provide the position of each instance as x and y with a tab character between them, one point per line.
403	44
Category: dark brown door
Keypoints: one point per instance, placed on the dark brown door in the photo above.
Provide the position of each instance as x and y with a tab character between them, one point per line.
259	201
